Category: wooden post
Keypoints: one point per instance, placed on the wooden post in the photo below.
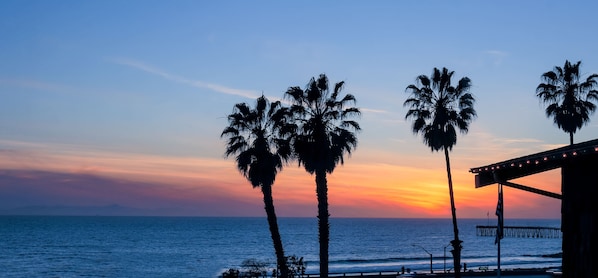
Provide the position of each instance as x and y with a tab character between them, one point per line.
579	221
499	227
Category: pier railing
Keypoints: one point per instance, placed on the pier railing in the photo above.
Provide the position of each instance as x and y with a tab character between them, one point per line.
521	231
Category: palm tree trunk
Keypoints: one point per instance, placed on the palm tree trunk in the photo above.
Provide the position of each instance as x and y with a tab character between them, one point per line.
455	242
571	138
273	223
323	225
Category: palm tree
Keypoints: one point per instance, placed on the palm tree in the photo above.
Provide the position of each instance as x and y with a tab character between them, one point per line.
260	139
325	133
570	99
438	109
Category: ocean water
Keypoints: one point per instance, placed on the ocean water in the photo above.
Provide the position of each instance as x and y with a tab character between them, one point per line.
68	246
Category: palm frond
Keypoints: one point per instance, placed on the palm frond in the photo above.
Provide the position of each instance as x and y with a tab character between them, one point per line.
568	99
242	108
467	114
463	86
423	80
337	89
294	93
260	139
418	125
437	108
350	112
313	92
322	82
229	131
323	122
350	124
550	77
412	102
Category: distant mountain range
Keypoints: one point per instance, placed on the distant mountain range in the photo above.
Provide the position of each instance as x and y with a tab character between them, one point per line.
109	210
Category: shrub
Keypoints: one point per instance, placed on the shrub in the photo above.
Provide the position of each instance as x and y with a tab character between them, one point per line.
296	266
254	268
231	273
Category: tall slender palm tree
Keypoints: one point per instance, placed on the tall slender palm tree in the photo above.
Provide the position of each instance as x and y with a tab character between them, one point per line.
569	98
325	133
438	109
260	139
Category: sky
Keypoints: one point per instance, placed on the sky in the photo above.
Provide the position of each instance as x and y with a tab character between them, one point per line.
120	104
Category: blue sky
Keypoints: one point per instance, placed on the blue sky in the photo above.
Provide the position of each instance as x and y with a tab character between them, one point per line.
106	87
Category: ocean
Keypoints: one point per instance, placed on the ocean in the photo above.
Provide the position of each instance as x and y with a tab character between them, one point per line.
98	246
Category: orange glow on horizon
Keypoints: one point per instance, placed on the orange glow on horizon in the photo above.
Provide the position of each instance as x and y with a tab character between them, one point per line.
362	187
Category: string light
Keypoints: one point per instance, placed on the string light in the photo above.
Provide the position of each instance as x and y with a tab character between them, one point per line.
538	161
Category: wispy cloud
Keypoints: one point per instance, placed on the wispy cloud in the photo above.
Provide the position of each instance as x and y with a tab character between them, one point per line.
376	111
519	140
482	148
34	191
182	80
83	159
35	84
497	55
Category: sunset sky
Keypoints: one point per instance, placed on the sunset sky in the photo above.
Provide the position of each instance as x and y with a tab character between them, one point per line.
122	102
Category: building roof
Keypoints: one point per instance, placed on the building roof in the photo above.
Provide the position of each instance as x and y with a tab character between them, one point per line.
532	164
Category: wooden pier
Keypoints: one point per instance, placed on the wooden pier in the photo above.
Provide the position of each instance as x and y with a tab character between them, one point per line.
521	231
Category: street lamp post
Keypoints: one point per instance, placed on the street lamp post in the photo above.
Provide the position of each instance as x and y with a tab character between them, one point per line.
431	270
445	256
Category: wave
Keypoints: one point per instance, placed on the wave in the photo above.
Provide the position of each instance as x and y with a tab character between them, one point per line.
391	259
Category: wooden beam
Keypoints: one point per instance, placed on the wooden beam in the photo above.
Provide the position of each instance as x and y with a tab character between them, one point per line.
533	190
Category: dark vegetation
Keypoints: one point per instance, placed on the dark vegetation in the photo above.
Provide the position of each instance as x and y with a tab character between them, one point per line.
260	139
438	109
318	129
326	131
254	268
569	99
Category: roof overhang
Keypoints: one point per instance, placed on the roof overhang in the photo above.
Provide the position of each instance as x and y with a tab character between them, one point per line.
532	164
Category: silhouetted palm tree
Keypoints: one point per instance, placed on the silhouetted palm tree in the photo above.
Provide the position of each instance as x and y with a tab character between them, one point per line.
570	99
438	109
260	139
325	133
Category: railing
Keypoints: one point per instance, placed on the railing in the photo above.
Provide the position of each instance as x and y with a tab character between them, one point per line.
521	231
357	274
